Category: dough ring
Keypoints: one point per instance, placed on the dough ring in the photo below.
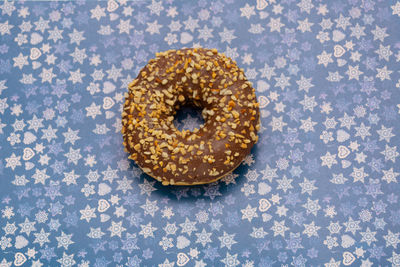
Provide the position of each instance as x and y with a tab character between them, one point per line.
200	77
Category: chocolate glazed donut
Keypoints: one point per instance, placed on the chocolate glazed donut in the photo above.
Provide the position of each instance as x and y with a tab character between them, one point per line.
200	77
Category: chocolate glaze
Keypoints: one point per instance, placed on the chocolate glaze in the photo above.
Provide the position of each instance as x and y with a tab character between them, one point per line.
202	77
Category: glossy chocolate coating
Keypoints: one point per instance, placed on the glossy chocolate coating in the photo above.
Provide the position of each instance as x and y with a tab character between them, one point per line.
202	77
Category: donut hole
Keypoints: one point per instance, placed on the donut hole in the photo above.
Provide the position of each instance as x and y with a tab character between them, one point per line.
188	117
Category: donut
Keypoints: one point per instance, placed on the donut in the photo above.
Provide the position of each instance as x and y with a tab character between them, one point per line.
199	77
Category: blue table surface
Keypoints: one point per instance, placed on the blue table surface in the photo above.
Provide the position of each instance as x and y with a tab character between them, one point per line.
321	188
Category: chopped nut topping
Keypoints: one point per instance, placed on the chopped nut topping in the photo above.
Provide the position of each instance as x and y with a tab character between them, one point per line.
206	79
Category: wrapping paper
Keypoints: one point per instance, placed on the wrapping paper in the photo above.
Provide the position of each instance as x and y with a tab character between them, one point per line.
319	189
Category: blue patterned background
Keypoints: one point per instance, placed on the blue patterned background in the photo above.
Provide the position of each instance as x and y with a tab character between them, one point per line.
319	189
